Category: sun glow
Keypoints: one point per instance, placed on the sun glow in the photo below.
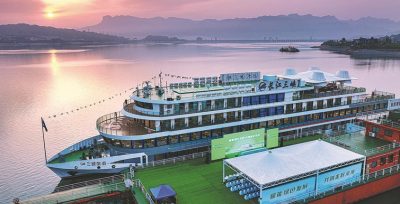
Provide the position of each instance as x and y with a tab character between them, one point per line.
49	14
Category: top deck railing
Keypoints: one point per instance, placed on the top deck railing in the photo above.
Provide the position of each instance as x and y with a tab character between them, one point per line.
340	91
390	123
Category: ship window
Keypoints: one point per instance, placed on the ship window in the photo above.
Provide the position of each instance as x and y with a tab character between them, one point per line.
254	100
272	98
144	105
126	143
137	144
173	139
388	133
374	164
161	141
375	129
184	138
206	134
272	111
382	161
255	113
246	101
216	133
263	112
246	114
390	158
149	143
281	97
196	136
279	110
263	99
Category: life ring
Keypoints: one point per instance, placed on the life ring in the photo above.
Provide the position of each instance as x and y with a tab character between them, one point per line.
113	166
76	167
98	167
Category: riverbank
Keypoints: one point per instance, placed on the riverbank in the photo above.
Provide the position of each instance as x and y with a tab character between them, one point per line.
362	53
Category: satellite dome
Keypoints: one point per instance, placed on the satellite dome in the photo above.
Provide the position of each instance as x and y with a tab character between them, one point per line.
314	69
290	72
343	74
318	76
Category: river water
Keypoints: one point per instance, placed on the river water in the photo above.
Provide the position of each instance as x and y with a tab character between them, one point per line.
48	83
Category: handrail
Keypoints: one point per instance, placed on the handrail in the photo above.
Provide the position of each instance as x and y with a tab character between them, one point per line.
100	181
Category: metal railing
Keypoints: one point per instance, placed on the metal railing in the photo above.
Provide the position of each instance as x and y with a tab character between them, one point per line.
341	91
302	134
76	194
137	183
390	123
381	149
175	159
100	181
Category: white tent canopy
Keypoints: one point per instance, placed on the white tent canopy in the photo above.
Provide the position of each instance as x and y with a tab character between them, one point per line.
285	162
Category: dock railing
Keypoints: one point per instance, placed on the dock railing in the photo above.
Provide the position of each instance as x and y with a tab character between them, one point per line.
174	160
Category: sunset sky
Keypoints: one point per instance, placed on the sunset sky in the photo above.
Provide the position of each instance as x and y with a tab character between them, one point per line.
79	13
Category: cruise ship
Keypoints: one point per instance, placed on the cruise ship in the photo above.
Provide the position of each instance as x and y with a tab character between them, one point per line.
159	122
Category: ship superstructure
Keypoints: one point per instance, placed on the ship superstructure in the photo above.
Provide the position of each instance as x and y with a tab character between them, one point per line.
160	122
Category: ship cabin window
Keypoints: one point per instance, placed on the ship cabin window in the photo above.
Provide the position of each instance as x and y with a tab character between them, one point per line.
390	158
246	101
255	113
231	102
184	138
208	105
126	143
219	103
272	111
228	130
388	133
374	164
382	161
162	141
206	134
263	99
375	129
216	133
137	144
196	136
149	143
272	98
174	139
255	100
144	105
246	114
263	112
279	110
281	97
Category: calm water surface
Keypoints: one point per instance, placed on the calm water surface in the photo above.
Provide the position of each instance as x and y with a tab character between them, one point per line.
43	83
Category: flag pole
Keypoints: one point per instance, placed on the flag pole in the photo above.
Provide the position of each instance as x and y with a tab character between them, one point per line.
44	142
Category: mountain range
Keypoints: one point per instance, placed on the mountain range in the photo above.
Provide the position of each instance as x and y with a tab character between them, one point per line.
294	26
25	33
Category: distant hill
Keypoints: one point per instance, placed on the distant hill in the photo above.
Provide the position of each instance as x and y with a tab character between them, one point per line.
24	34
264	27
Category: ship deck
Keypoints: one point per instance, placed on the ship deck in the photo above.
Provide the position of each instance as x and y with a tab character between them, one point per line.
77	155
360	143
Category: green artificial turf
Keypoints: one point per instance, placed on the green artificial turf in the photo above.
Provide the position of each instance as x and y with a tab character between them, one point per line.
194	181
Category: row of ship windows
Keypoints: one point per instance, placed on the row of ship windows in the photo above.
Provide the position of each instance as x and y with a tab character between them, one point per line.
231	102
138	144
383	160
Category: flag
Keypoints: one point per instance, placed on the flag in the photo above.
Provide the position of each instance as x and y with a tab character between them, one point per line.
44	125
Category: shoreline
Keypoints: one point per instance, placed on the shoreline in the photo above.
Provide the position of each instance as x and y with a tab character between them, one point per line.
363	53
